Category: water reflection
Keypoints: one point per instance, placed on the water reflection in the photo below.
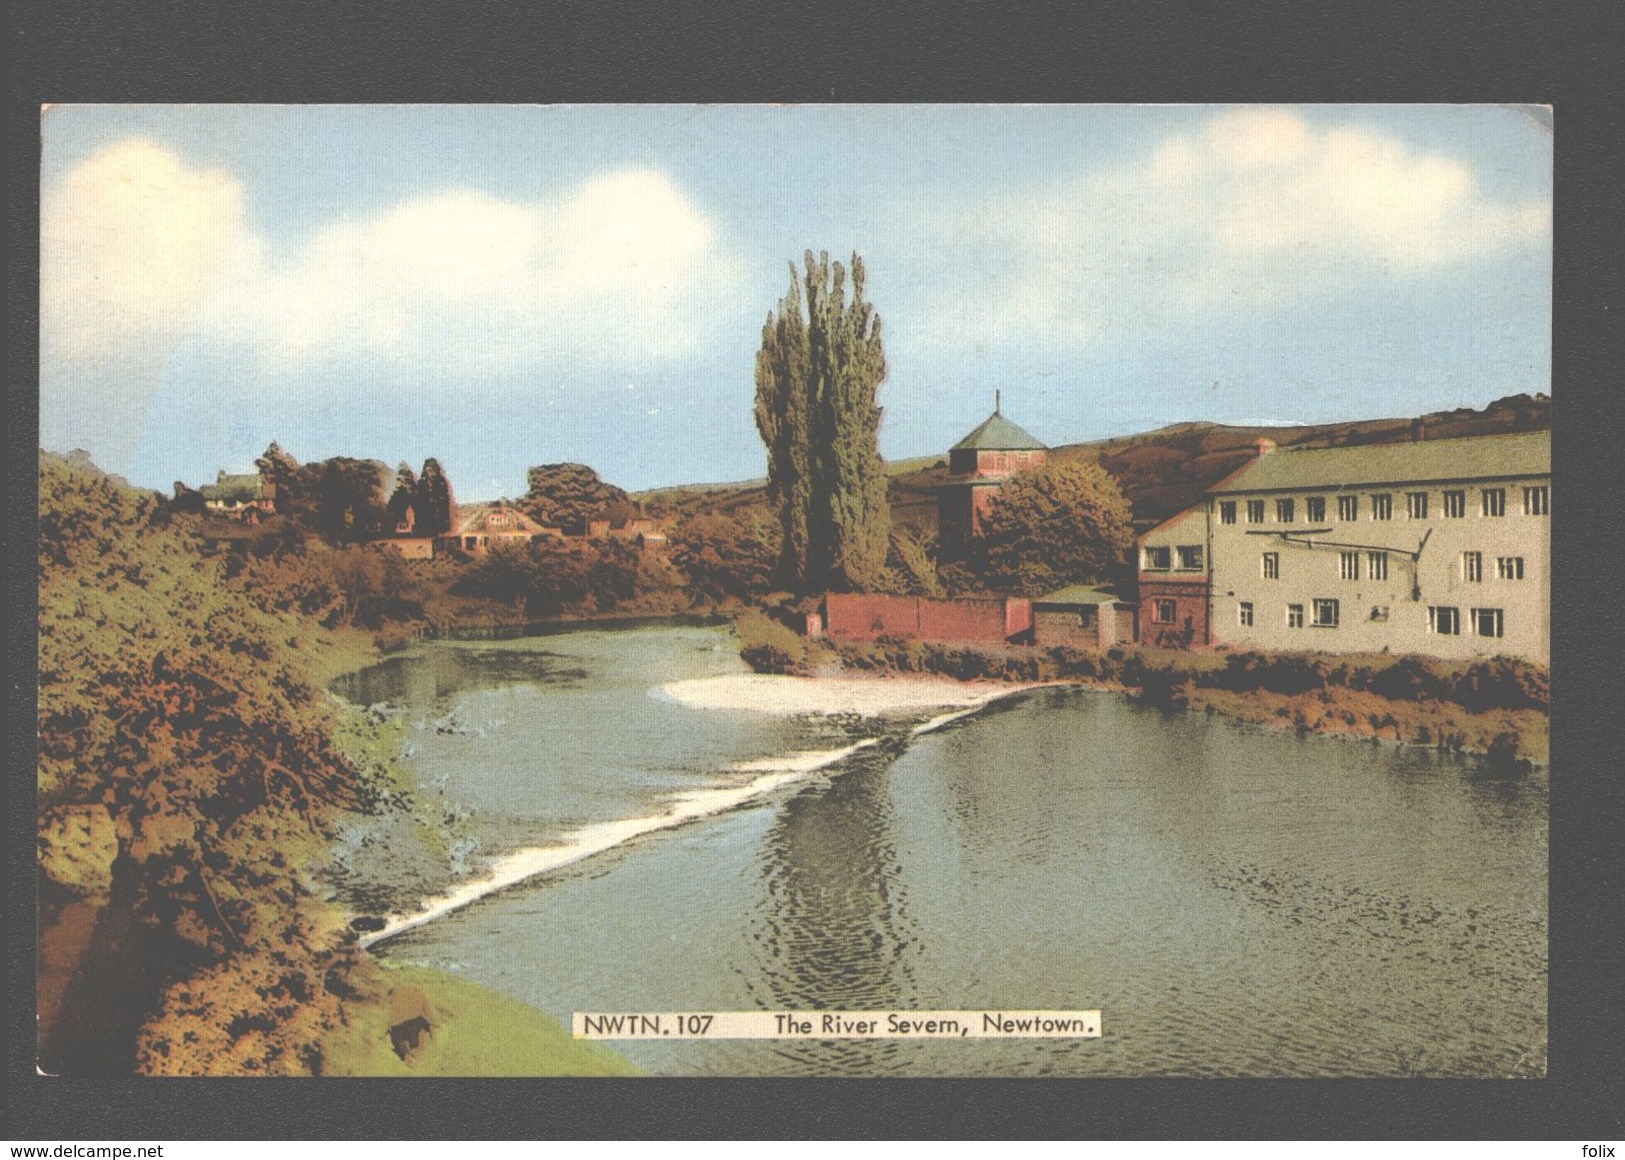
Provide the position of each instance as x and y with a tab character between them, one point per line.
1238	902
832	930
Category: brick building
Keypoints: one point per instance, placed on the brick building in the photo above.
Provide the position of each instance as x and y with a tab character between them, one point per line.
978	465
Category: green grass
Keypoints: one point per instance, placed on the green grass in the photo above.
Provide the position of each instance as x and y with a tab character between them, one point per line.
477	1032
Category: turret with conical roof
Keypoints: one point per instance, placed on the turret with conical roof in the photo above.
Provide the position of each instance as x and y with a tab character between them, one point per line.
978	465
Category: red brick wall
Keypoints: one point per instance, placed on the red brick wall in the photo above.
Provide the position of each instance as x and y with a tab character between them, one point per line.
1189	628
853	616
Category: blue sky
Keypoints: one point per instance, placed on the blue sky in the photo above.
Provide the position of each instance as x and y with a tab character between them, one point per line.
508	285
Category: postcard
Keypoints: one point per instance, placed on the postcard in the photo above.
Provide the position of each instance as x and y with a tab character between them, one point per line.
855	591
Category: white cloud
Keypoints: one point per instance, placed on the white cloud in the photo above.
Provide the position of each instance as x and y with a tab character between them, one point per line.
622	268
141	251
131	242
1255	208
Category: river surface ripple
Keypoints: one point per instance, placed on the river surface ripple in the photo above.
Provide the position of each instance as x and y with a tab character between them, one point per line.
1237	902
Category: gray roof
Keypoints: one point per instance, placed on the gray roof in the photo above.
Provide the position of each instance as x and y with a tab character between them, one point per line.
998	434
1430	461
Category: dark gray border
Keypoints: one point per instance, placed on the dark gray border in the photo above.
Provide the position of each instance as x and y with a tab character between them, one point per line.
593	50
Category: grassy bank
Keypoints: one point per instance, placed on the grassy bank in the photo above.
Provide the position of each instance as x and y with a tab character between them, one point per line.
466	1030
1499	707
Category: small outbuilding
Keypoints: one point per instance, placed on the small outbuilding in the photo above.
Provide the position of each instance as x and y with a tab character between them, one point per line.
1082	616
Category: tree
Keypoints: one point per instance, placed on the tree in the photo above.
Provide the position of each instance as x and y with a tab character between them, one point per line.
816	379
567	495
404	498
727	555
434	500
291	485
350	499
1065	523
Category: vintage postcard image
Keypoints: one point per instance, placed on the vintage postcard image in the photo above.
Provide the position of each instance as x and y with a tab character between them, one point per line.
892	591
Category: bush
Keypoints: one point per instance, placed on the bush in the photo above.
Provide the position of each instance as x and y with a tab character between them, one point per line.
768	646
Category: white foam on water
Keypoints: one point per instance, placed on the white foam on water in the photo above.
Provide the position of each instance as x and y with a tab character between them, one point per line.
773	773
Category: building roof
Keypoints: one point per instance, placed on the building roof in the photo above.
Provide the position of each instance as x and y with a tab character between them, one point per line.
1079	594
998	434
474	518
232	488
1441	460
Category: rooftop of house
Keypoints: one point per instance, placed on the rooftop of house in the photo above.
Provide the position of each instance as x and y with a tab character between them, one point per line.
1523	455
998	434
231	488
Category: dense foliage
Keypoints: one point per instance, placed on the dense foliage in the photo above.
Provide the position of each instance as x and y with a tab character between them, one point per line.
816	379
728	556
1064	523
568	495
186	772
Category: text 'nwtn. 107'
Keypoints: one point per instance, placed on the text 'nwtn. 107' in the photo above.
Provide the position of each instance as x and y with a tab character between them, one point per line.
838	1025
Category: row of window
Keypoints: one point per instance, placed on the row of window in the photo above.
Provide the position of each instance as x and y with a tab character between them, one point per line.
1376	566
1327	613
1492	501
1161	559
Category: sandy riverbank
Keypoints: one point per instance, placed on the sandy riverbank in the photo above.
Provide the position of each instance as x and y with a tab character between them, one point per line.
785	696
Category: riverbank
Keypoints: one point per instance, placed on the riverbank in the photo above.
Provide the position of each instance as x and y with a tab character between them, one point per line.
1498	707
419	1022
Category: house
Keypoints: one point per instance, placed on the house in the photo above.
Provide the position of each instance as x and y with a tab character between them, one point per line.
978	466
1082	616
644	531
243	497
475	527
1439	547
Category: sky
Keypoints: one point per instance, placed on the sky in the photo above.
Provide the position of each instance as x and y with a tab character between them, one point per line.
503	286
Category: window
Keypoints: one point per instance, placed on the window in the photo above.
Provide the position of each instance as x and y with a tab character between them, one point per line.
1227	511
1537	501
1325	614
1156	559
1382	507
1272	565
1443	620
1190	558
1283	511
1495	501
1487	621
1314	509
1348	507
1455	505
1163	611
1376	565
1255	511
1349	565
1416	505
1245	614
1472	566
1509	567
1294	616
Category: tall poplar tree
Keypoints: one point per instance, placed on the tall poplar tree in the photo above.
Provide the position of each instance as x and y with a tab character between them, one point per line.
434	500
816	380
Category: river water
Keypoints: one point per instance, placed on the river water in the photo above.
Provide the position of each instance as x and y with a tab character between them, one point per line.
1236	902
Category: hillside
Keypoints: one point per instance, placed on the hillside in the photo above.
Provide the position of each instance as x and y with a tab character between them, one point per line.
1161	472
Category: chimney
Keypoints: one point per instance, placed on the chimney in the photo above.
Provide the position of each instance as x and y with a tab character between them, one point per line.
1264	447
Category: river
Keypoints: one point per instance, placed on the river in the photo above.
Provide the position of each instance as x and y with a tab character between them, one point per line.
1237	902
